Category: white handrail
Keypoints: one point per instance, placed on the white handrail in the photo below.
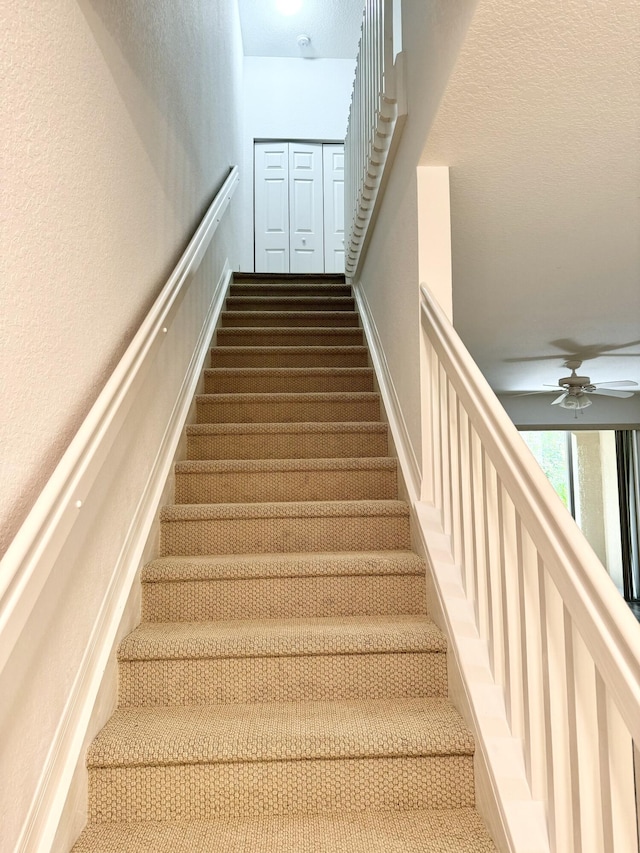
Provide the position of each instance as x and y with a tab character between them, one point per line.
564	645
375	121
27	562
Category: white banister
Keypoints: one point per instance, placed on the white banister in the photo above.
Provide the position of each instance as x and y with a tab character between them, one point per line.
563	644
375	120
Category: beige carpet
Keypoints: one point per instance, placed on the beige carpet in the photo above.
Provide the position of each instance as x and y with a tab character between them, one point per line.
285	690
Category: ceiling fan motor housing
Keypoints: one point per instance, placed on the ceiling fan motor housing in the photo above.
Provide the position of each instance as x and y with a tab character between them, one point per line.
573	381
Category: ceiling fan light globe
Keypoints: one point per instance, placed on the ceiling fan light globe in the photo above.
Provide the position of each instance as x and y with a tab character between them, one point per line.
575	403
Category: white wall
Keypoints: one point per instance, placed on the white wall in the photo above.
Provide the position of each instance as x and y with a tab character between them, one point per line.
122	120
432	33
119	124
288	98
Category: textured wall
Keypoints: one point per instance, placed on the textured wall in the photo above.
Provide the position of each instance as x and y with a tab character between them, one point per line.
119	125
540	124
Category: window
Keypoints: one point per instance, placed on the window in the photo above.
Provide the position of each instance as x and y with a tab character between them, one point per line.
596	473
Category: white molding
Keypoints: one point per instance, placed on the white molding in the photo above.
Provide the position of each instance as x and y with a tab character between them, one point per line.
400	433
66	750
29	559
516	821
606	624
390	117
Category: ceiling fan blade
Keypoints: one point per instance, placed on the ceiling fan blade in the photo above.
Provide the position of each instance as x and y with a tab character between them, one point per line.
530	393
559	399
609	392
622	383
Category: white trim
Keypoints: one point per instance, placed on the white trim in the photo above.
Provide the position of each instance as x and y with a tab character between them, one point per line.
66	748
32	554
606	624
397	423
516	821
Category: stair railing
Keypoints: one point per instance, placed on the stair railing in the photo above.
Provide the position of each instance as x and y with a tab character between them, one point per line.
376	117
562	643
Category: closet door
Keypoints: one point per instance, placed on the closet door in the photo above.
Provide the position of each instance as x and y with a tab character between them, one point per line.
271	206
333	168
306	240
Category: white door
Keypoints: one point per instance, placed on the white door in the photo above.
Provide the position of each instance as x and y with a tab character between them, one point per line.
272	206
299	201
306	233
333	170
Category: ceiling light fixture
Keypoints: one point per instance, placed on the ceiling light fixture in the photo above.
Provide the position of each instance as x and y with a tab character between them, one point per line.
288	7
575	401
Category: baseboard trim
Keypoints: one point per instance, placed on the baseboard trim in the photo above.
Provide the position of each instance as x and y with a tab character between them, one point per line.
397	424
41	826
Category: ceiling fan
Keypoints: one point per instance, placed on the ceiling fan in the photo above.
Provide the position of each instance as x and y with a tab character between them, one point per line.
576	390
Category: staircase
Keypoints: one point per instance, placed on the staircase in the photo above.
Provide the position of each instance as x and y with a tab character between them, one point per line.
285	690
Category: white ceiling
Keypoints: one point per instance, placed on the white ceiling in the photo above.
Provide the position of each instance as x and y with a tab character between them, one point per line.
332	25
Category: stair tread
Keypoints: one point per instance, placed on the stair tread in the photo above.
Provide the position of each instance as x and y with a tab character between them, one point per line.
290	397
292	427
411	831
345	349
281	731
286	315
229	466
244	638
239	372
342	563
238	301
289	509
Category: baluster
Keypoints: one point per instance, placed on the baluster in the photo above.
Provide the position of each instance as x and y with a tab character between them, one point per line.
587	739
534	699
445	486
492	532
453	451
510	572
619	815
479	556
427	360
565	832
465	486
436	432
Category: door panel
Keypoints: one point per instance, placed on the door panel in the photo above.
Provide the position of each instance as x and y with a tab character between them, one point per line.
271	206
333	169
306	241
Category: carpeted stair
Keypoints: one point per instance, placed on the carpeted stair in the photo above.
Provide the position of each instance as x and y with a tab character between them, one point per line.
285	690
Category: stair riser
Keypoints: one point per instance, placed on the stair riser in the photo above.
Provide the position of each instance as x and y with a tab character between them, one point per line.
267	486
272	411
289	338
282	679
279	598
303	445
283	535
209	791
222	383
291	303
290	319
289	357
